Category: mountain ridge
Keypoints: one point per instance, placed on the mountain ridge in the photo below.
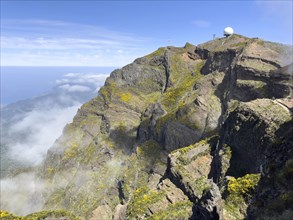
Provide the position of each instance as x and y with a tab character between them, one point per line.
168	137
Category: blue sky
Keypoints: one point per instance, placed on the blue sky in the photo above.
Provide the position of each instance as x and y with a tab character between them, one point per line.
114	33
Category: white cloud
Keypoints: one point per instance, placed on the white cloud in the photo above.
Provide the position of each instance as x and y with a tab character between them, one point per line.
65	58
51	43
72	74
42	29
201	23
55	43
75	88
81	82
22	194
62	81
44	127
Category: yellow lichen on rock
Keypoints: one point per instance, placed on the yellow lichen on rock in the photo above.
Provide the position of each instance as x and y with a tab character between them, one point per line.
125	97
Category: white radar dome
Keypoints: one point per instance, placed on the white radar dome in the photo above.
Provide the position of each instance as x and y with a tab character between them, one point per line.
228	31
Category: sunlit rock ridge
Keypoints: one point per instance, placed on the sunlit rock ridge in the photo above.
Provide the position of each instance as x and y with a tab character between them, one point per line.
198	132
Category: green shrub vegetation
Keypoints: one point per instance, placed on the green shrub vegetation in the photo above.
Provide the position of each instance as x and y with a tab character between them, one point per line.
243	186
240	191
159	52
142	198
9	216
52	214
106	92
150	151
179	210
183	78
56	214
184	151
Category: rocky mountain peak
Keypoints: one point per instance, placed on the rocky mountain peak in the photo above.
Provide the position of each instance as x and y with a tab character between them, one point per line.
197	132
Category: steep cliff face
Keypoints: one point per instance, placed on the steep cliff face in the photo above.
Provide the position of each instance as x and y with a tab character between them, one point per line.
199	132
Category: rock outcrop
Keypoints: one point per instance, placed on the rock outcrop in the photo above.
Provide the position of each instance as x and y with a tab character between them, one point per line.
199	132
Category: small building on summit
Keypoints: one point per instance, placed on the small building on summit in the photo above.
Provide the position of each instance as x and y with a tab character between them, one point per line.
228	31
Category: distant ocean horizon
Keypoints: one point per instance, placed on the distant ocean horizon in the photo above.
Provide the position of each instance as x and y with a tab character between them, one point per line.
26	82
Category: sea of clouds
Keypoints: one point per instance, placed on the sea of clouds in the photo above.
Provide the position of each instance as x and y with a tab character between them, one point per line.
29	128
38	122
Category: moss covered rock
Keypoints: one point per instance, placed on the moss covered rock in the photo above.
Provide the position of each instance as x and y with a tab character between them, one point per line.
190	167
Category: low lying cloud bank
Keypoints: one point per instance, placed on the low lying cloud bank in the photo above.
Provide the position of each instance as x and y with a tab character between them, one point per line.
43	127
22	194
29	128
